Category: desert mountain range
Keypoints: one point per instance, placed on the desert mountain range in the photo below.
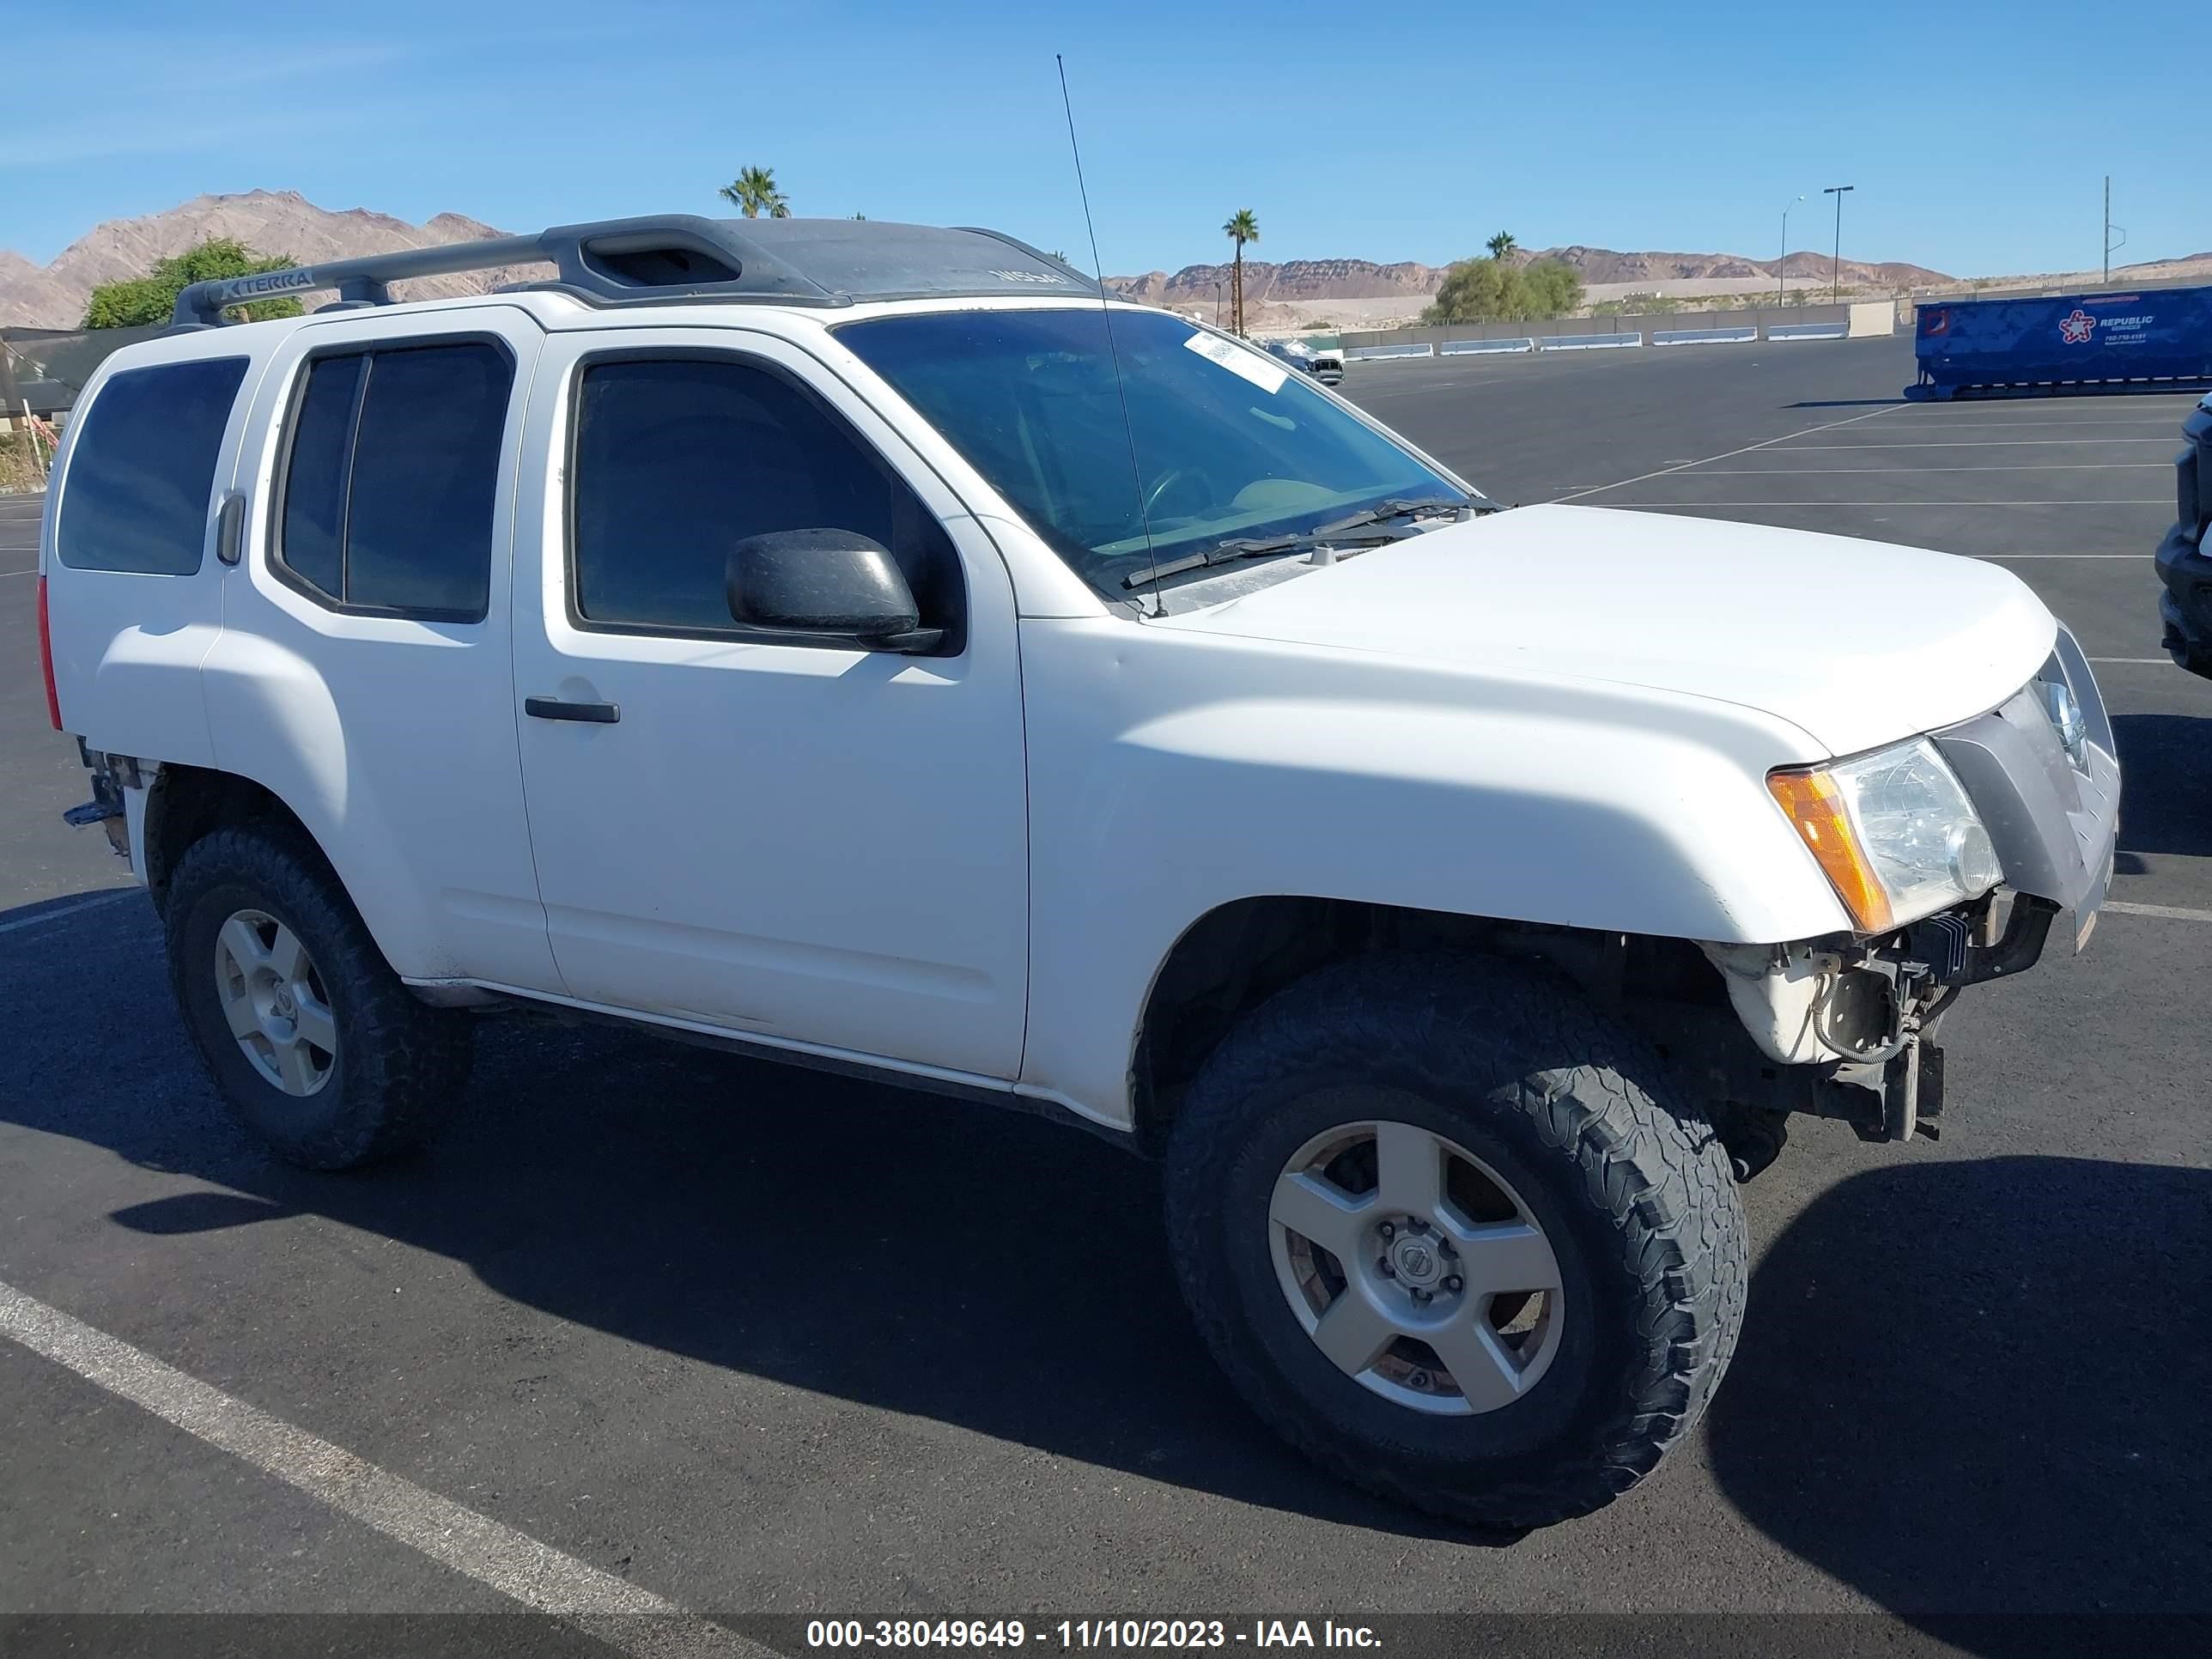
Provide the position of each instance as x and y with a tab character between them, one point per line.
1306	281
286	223
269	222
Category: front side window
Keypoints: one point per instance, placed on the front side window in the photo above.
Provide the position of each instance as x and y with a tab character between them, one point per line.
1228	443
677	458
141	468
392	479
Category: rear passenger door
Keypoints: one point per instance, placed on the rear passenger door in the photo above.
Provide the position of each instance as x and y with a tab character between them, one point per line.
364	668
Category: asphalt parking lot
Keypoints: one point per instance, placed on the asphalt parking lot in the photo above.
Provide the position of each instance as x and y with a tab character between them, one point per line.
760	1342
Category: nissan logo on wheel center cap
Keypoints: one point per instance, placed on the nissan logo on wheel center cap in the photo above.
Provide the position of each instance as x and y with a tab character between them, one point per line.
1414	1260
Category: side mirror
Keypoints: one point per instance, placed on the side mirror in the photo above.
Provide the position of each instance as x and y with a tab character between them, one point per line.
835	586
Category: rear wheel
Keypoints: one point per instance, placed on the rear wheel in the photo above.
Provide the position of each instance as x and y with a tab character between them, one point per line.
1447	1231
310	1038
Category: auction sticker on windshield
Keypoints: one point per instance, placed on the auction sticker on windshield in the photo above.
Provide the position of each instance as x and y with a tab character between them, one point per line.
1268	377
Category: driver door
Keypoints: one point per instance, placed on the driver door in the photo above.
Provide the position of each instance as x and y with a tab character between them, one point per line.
810	844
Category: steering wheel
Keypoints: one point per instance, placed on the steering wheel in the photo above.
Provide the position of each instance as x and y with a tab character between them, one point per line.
1166	481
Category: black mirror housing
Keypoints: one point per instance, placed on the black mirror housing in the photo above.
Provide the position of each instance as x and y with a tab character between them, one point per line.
833	584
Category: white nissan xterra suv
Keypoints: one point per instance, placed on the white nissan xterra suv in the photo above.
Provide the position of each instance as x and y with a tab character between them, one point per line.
864	645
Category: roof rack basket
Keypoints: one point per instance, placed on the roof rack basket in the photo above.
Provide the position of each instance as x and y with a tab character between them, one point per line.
681	257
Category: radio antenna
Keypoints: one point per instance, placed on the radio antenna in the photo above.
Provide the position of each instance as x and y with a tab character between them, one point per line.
1106	311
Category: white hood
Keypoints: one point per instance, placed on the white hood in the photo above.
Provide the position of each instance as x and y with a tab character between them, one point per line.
1859	643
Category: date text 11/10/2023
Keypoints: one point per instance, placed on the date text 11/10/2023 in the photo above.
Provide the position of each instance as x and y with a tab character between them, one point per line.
1072	1635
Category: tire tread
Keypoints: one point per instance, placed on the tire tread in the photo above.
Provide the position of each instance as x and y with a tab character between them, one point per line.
1650	1167
404	1062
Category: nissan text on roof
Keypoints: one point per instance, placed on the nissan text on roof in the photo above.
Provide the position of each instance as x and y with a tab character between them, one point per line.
866	645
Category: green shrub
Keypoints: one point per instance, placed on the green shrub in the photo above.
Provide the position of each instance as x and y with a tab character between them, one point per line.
1491	291
140	301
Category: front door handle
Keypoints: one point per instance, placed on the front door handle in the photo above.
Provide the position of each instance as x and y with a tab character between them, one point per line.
554	709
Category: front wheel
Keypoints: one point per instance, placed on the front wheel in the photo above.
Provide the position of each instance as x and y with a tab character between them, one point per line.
1447	1231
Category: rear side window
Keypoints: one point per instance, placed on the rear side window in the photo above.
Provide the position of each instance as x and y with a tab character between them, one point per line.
141	471
392	476
675	459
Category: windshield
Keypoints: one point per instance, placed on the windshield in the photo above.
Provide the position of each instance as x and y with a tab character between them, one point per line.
1228	443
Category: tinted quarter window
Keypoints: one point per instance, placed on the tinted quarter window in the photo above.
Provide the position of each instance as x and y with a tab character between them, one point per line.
314	482
677	459
425	479
142	474
393	479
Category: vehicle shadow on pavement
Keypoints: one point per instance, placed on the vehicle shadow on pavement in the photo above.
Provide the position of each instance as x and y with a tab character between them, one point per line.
1979	1388
906	1251
2168	806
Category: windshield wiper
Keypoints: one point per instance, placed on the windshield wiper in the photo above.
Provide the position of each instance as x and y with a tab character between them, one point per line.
1252	547
1389	512
1330	534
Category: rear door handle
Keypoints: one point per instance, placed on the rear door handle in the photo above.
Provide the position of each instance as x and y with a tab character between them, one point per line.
553	708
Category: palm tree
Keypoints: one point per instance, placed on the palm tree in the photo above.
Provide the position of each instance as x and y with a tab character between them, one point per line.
754	190
1502	244
1242	228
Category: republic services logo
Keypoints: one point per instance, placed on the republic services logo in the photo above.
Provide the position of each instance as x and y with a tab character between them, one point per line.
2077	329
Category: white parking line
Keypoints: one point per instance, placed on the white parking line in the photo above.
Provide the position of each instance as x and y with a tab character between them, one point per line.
1991	443
1848	472
1679	466
2135	556
2141	662
608	1608
59	911
2165	912
2165	501
2026	425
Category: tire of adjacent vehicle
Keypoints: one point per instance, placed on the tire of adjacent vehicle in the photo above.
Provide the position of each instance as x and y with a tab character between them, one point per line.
1633	1189
400	1066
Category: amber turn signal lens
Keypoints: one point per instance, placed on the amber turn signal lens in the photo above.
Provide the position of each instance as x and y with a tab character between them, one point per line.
1814	804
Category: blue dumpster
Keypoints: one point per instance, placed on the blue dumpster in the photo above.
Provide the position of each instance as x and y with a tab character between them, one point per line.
2065	343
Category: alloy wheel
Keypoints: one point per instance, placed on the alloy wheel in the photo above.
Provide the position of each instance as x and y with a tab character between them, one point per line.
275	1002
1415	1267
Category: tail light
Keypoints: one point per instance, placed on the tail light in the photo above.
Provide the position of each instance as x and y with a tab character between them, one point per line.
46	657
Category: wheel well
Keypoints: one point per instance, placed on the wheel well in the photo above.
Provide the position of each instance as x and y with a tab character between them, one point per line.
1236	957
187	803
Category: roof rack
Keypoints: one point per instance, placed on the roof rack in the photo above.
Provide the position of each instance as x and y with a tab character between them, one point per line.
681	257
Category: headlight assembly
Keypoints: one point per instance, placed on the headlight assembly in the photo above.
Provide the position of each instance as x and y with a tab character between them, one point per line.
1893	832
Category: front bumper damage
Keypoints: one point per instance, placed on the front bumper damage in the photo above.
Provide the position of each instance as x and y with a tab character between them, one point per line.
1845	1027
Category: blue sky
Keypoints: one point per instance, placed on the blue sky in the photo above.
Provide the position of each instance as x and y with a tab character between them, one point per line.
1976	134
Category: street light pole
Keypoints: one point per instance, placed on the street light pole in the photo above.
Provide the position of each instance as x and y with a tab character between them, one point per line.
1786	206
1838	191
1216	302
2111	246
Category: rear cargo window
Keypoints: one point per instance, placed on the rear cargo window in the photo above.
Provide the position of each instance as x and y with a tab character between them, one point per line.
142	469
392	476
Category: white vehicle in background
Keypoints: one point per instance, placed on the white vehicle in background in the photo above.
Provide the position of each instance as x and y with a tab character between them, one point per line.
755	634
1324	363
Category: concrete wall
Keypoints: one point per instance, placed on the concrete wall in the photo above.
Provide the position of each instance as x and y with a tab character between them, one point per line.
1634	323
1872	317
